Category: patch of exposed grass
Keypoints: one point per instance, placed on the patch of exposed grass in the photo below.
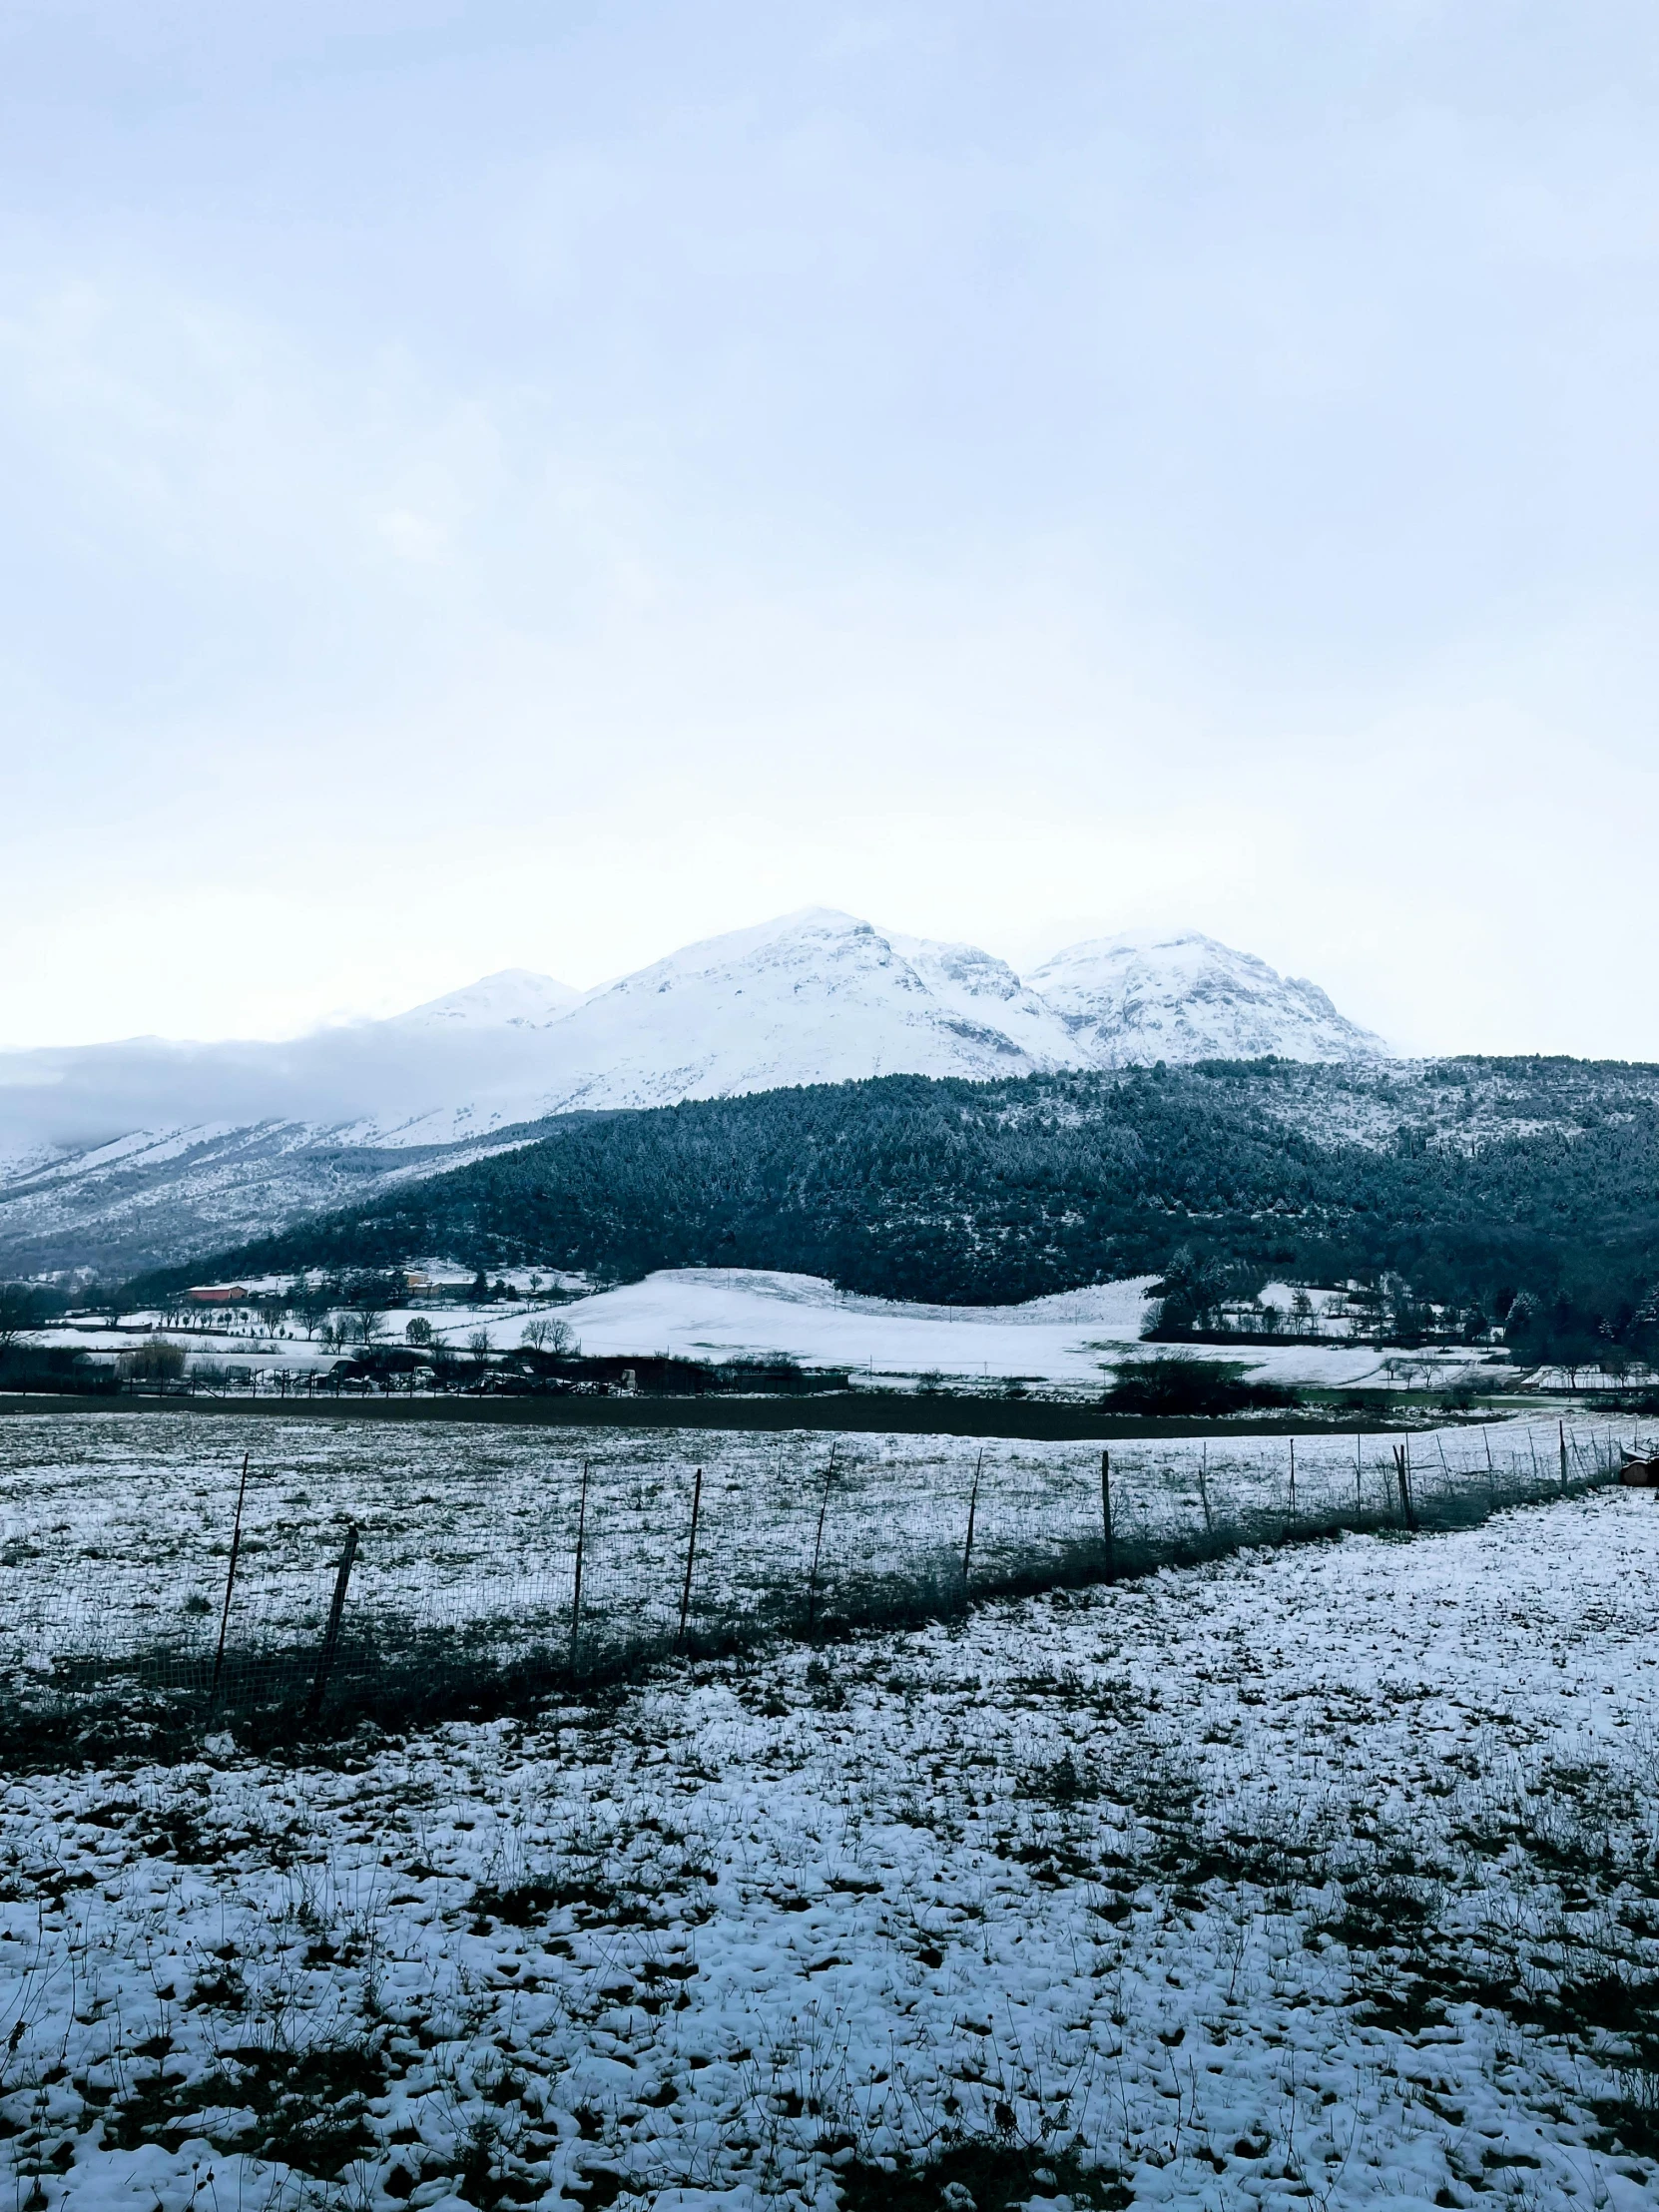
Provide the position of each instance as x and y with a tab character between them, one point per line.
311	2107
981	2175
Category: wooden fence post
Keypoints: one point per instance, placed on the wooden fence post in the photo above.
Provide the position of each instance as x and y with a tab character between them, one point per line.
330	1635
973	1508
230	1584
581	1546
1204	1487
1402	1472
1106	1515
1293	1481
1561	1429
691	1554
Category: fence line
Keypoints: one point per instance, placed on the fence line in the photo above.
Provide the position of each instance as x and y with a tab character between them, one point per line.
627	1570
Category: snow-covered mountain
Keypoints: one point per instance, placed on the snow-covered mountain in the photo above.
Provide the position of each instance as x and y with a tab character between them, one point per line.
121	1153
822	997
1150	996
816	997
512	998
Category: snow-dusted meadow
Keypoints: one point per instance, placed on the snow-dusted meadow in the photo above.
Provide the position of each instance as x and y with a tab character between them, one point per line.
1074	1337
115	1529
1074	1340
1318	1875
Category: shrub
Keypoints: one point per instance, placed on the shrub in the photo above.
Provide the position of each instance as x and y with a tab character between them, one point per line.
1180	1384
153	1360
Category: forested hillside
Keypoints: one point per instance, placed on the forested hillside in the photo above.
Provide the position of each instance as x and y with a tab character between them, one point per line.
992	1192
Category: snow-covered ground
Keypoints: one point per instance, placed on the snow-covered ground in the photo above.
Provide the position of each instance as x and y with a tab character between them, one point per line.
114	1529
1074	1339
1075	1336
1314	1877
723	1314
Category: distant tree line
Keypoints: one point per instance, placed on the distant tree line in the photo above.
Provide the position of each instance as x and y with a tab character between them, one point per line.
990	1193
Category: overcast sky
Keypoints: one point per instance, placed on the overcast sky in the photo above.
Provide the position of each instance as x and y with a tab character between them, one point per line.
528	484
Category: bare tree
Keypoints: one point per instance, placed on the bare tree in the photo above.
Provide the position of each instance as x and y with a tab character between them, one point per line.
366	1295
418	1331
543	1335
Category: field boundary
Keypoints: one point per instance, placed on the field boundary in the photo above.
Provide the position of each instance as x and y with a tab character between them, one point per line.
851	1412
627	1576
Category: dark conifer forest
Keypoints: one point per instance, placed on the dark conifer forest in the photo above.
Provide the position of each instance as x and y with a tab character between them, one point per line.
988	1193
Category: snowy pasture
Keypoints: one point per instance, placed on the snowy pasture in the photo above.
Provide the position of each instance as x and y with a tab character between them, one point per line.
735	1313
1324	1874
115	1529
1073	1340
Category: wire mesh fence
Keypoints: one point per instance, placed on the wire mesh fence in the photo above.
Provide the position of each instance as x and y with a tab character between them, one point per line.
373	1575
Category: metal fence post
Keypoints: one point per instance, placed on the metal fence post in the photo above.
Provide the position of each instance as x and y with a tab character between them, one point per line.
817	1541
1293	1481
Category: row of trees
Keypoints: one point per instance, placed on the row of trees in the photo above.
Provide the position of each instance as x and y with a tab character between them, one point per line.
1203	1294
358	1309
360	1313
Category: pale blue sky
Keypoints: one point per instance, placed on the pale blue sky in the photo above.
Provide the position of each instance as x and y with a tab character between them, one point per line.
490	484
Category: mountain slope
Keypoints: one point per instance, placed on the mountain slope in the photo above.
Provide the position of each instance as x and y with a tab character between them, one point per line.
124	1154
1174	996
1497	1177
148	1198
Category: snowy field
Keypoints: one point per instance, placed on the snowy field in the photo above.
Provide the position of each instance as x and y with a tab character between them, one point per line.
1323	1876
1076	1338
722	1314
114	1529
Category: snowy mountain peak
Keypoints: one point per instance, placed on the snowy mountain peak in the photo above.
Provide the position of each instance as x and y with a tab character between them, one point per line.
815	996
513	997
815	942
1178	995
